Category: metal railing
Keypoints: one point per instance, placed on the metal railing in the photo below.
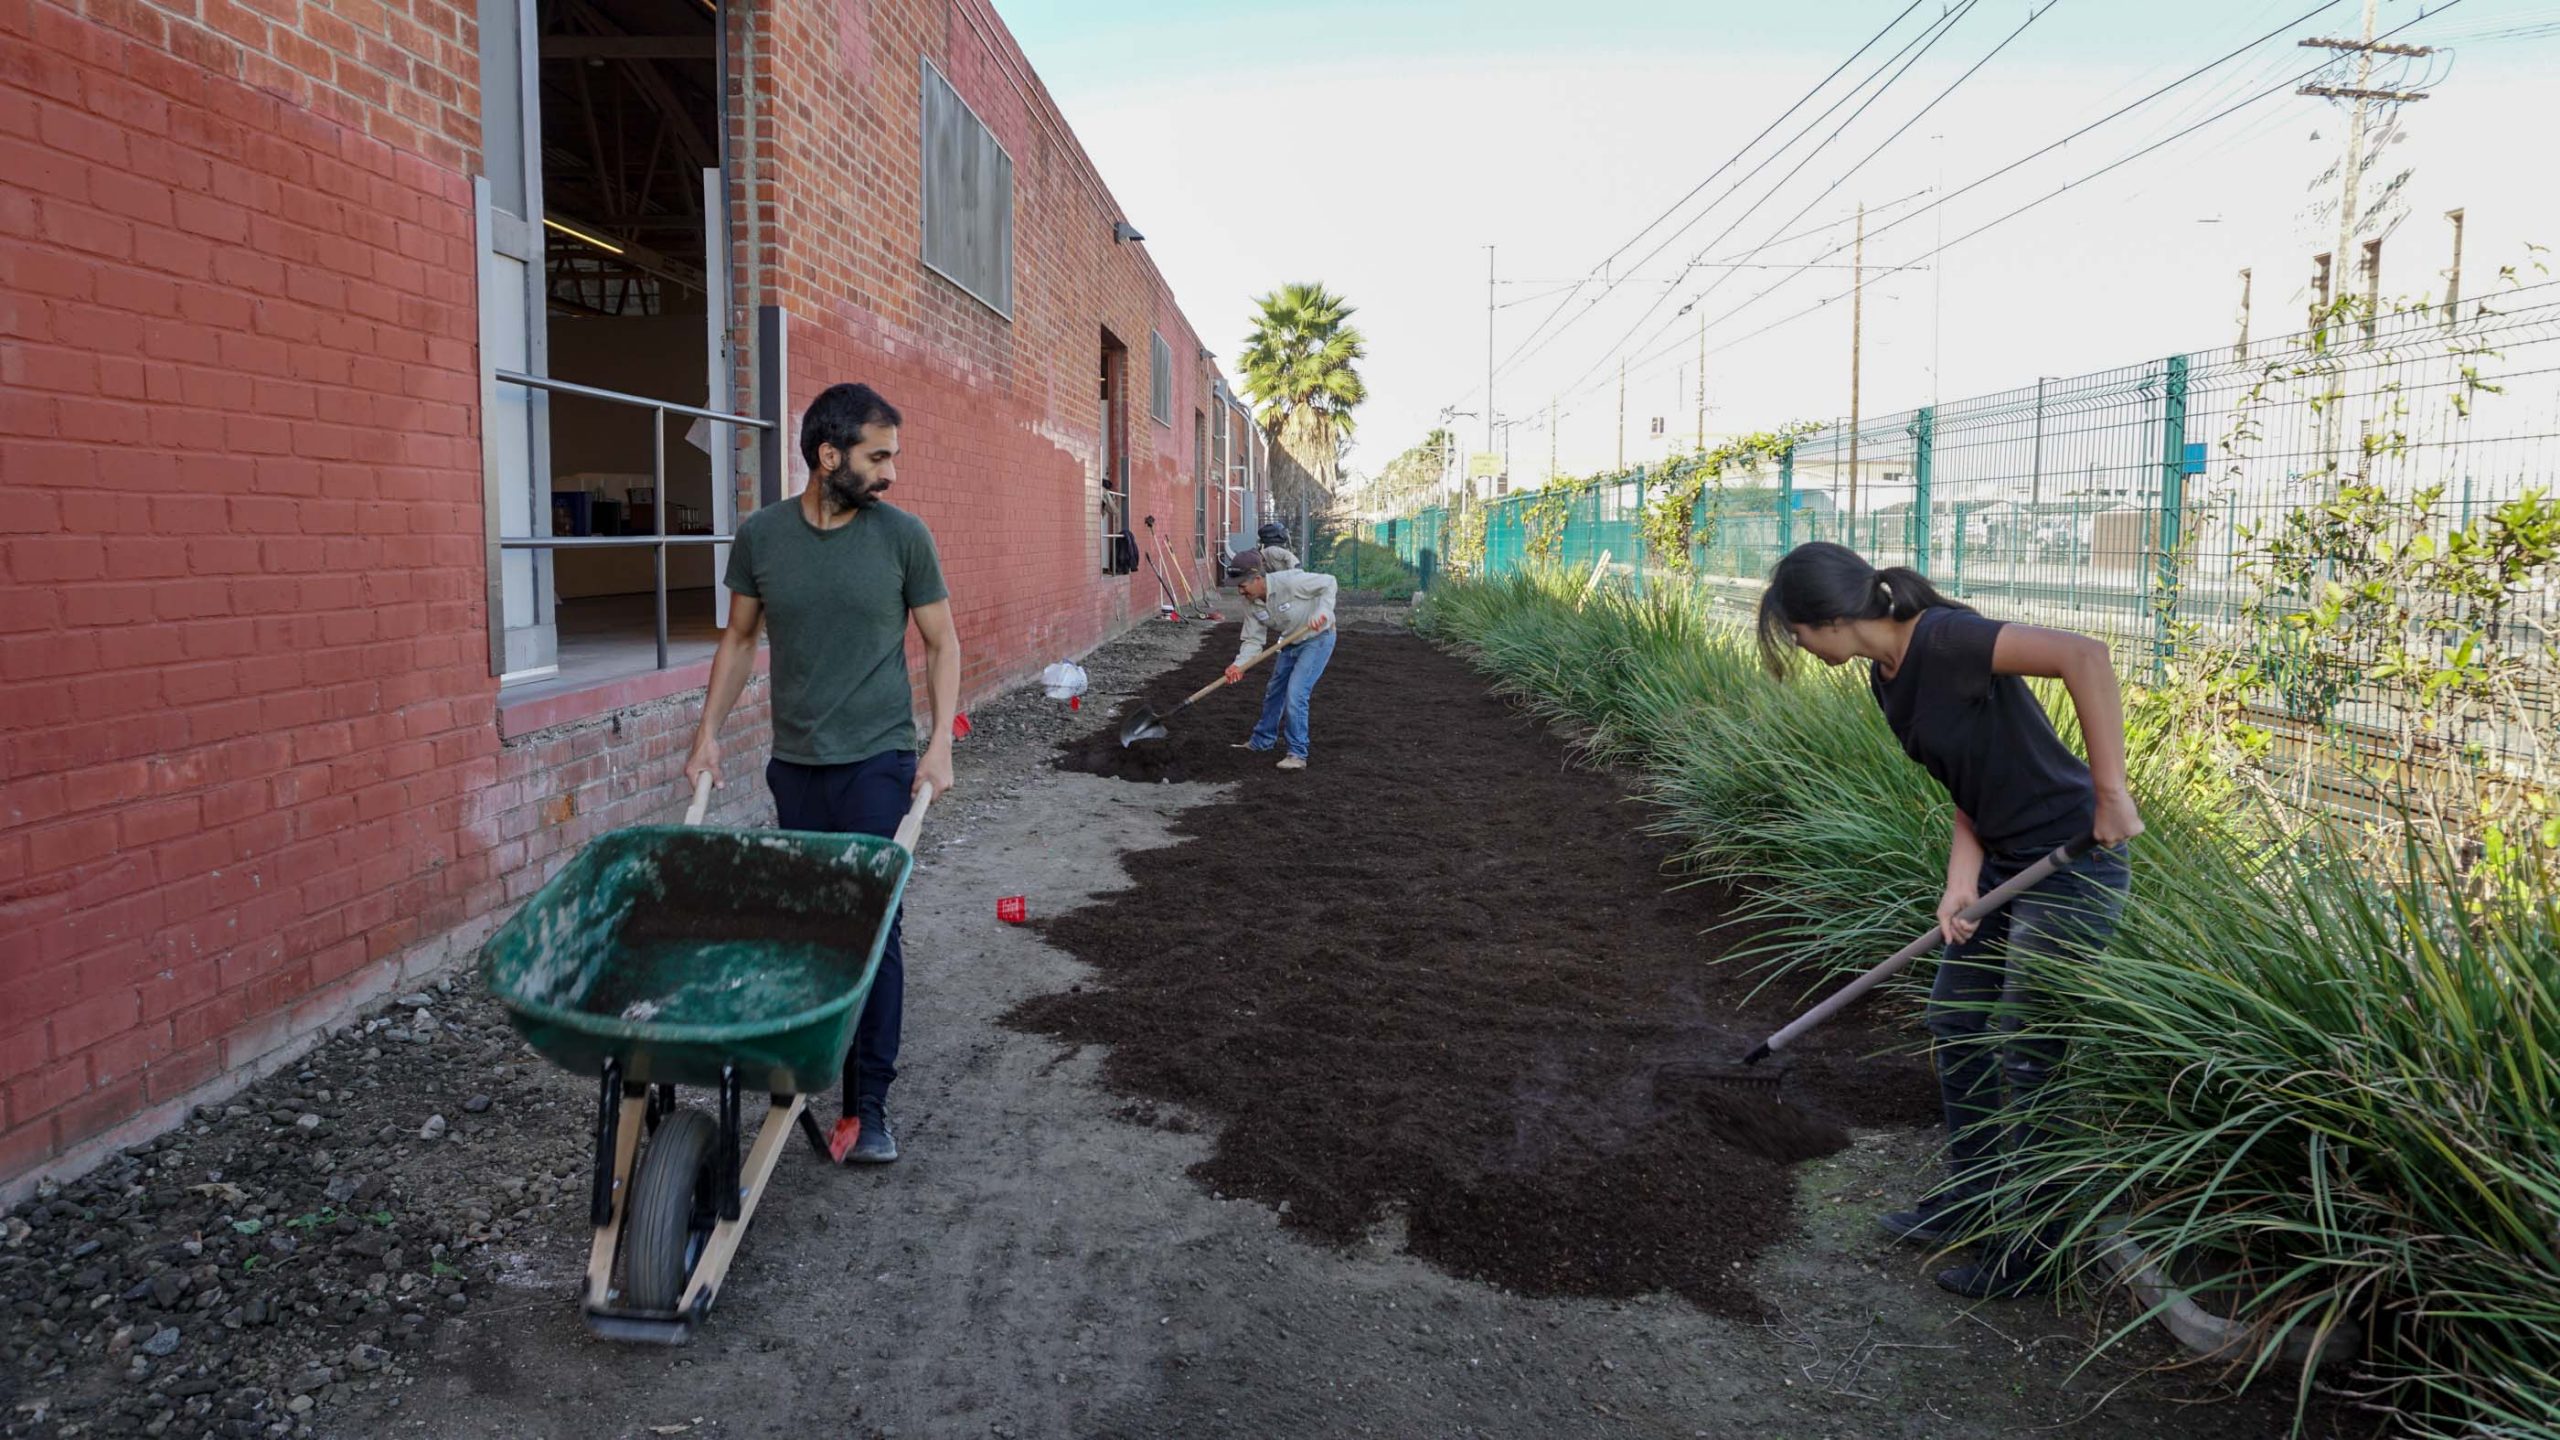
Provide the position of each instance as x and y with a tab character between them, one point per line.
660	540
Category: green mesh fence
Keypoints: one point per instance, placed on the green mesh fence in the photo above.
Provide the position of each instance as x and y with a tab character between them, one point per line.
2087	502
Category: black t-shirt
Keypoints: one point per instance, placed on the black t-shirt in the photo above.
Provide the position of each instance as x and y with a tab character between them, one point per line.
1985	737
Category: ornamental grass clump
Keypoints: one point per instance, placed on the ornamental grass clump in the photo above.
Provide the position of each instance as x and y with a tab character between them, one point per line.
2318	1068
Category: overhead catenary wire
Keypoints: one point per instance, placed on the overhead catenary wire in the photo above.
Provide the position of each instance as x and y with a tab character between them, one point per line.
2119	112
1862	162
1927	38
1801	101
2282	86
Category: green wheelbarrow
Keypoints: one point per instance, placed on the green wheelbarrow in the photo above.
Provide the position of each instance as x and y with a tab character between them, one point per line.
727	960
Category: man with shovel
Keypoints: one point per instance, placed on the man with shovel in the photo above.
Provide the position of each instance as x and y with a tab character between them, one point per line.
1284	599
840	573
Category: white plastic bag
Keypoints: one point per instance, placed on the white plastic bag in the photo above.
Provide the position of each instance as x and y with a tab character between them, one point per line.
1063	681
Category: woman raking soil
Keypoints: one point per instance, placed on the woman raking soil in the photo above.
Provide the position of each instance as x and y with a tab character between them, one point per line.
1952	685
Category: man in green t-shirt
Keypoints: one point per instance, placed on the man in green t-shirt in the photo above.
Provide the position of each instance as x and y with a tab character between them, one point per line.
838	573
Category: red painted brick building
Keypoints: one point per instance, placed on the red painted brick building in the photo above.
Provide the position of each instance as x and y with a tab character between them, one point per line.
353	356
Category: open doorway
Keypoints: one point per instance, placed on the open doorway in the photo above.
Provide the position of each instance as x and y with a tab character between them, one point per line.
608	447
631	201
1119	544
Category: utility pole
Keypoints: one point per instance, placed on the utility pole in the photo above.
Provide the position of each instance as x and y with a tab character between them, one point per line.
1488	357
2453	277
1622	417
2362	94
1857	334
1679	390
2243	352
1551	442
2035	482
1938	272
1702	379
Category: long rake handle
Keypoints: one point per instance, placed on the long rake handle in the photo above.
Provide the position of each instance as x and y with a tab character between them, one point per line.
1164	553
1283	643
1848	994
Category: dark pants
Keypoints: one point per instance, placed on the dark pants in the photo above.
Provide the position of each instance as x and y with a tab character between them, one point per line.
1991	1063
868	797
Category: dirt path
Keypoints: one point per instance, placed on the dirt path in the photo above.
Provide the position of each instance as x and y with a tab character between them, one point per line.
1041	1263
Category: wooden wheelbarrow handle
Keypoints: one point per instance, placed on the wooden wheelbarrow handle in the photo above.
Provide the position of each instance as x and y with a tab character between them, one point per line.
913	825
1283	643
908	828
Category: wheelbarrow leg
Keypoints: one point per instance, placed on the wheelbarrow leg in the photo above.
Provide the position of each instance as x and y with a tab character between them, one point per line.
621	1114
817	1137
609	1100
729	1141
779	1121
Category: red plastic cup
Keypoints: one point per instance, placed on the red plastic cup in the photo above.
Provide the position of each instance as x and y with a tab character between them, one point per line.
1012	910
959	727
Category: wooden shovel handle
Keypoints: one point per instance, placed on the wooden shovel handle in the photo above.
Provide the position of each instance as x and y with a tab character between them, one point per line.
913	825
1283	643
701	799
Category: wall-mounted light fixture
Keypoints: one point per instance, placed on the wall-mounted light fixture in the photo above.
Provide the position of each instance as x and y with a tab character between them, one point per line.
1122	230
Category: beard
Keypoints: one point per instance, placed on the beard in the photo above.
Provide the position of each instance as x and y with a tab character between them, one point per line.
848	491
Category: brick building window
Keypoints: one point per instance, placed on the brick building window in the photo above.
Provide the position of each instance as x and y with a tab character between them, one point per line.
1160	380
968	198
609	449
1200	482
1119	543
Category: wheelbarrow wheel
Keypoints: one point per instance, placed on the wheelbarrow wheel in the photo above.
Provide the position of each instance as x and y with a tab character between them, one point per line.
671	1210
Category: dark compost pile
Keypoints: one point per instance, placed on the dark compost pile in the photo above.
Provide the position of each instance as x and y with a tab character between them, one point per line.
1433	978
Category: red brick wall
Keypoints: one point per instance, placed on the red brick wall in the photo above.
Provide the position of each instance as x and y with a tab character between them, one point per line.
241	635
1002	448
252	774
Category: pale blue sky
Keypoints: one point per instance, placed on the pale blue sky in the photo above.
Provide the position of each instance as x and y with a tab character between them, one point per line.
1420	131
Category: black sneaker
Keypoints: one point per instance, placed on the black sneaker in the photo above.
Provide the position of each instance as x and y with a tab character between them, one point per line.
876	1145
1931	1224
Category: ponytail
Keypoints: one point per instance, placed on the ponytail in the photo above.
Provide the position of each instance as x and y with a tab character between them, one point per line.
1820	583
1906	592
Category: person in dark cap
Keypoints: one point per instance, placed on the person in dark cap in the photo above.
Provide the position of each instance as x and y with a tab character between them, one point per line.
1284	599
1272	533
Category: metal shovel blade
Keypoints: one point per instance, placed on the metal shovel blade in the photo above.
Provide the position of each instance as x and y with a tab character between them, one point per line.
1142	726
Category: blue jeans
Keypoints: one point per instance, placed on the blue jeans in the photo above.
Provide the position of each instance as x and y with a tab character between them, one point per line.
1990	1063
1294	673
867	797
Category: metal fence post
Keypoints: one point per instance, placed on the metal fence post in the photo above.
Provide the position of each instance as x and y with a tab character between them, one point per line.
1637	543
1921	423
1786	500
2173	484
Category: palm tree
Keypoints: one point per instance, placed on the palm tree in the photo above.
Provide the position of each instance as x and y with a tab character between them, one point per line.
1298	367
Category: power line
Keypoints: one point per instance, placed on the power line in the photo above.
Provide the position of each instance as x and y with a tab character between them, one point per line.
1916	117
2048	149
1736	158
1929	33
2067	187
